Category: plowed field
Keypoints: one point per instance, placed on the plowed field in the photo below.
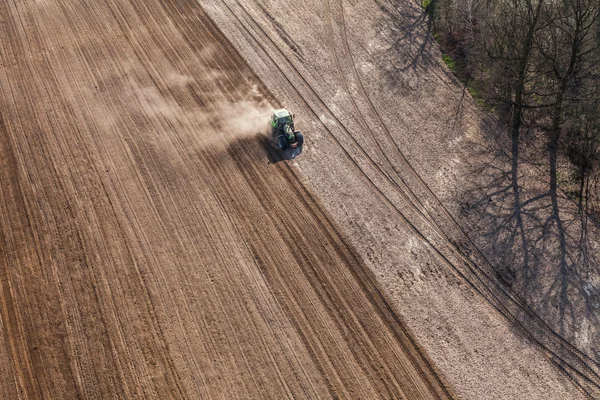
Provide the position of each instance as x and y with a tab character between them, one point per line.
152	243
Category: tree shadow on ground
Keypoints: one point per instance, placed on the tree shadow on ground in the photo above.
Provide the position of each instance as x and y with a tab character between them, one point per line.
408	45
410	31
543	248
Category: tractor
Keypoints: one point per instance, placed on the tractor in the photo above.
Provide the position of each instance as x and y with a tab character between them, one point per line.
282	128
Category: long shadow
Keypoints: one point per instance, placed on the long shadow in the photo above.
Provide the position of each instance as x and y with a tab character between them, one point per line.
410	30
532	236
538	245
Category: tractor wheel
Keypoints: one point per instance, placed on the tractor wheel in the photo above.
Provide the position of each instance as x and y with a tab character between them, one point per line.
282	142
299	138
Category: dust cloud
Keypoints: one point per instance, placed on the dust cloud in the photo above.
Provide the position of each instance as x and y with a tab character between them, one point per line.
218	124
246	118
172	95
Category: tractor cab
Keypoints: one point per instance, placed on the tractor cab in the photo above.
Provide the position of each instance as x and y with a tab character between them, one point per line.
282	117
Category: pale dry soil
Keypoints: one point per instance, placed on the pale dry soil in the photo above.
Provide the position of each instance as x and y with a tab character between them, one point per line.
150	244
394	148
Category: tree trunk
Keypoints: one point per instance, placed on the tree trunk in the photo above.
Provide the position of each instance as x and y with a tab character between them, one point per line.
553	144
516	128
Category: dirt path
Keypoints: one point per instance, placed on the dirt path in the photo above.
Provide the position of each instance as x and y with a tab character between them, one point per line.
146	252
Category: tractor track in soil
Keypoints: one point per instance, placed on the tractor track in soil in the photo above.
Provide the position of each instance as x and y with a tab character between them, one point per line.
456	249
144	253
581	369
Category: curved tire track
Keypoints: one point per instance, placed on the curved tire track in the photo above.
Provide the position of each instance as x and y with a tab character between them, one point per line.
434	224
146	253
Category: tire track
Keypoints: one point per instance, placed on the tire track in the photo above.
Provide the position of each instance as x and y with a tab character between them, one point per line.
143	274
578	361
563	354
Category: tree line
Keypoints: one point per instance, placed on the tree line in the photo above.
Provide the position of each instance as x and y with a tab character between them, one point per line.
535	64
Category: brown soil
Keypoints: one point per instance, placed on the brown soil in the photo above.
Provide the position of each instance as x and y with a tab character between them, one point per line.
149	252
392	139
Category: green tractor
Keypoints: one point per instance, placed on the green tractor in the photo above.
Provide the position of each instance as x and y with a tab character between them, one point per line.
282	128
